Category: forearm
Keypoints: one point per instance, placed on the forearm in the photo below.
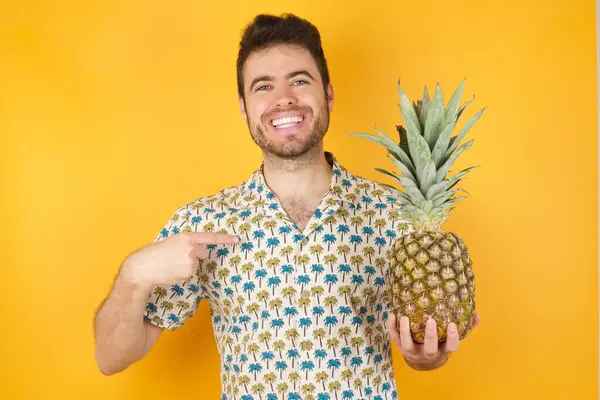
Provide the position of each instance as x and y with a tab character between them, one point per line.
119	327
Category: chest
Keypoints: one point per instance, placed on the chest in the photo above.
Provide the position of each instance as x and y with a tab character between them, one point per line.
337	269
299	210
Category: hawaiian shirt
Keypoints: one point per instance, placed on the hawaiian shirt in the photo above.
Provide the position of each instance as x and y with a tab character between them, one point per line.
296	314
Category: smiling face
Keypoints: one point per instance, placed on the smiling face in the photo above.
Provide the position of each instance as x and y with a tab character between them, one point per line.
286	106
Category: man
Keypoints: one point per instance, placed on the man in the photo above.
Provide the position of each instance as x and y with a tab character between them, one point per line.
292	261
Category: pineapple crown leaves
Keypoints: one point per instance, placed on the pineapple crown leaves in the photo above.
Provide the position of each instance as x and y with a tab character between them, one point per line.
426	151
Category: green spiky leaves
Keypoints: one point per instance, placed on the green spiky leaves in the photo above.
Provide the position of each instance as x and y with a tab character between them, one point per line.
426	151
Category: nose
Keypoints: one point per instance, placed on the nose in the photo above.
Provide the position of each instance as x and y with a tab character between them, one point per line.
285	97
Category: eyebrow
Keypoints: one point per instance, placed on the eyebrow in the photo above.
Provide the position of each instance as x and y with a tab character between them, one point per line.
269	78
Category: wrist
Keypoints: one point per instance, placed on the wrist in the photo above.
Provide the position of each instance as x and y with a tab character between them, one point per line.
130	278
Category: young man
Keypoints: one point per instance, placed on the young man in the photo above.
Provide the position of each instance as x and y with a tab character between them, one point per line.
292	261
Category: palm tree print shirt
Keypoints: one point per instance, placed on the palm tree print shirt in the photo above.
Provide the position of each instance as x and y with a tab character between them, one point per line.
296	315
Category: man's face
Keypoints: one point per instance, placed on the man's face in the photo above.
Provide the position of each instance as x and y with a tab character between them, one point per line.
286	107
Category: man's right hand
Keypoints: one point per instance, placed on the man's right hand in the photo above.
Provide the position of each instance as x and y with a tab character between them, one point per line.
171	260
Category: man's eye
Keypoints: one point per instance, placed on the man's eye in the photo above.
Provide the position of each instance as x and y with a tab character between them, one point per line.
261	87
301	80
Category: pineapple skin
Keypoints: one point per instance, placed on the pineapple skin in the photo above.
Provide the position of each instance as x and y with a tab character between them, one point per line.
432	277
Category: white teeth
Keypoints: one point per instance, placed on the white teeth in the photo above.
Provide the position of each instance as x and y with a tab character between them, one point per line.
286	125
287	121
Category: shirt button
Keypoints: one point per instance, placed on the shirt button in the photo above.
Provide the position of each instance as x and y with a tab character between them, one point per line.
305	294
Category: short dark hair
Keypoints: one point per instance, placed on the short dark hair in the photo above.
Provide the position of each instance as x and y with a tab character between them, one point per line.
269	30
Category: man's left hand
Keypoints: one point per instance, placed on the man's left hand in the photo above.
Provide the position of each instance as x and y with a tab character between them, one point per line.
430	354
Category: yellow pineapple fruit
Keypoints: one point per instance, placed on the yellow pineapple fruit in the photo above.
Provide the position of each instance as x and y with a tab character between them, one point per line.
431	272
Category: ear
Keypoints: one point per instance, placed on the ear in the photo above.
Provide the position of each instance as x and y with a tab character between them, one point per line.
330	96
243	107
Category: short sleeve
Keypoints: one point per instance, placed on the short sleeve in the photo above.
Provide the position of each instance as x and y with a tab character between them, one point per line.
170	306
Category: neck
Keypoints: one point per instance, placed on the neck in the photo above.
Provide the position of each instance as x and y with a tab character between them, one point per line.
307	177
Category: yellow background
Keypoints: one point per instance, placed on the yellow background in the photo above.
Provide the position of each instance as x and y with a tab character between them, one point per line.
114	113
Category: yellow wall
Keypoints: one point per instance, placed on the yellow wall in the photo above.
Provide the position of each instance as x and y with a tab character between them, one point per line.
114	113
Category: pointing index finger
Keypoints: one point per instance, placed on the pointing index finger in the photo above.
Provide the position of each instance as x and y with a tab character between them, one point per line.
213	238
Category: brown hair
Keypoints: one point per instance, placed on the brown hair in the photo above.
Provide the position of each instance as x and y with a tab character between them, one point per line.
270	30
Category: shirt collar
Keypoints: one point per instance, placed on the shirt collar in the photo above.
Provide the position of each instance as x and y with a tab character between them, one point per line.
256	193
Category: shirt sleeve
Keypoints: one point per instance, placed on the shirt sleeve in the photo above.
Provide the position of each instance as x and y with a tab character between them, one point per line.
170	306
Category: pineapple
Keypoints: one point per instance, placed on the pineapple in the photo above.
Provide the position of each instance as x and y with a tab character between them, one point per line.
431	272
